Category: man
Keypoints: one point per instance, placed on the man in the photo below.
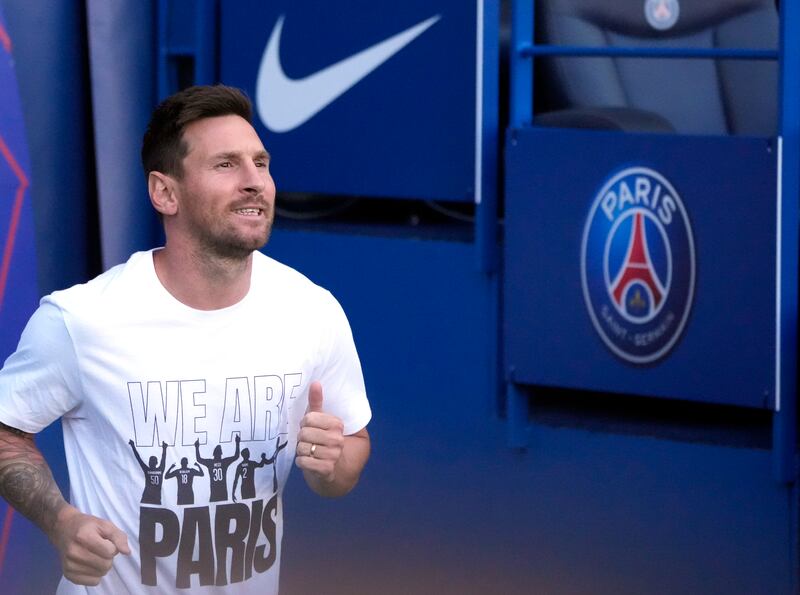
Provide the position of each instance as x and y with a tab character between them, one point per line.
185	476
153	474
247	468
205	340
217	470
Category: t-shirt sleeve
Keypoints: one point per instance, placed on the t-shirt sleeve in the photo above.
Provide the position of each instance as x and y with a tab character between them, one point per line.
40	381
344	393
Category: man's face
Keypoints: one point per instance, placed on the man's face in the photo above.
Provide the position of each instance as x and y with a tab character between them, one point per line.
226	197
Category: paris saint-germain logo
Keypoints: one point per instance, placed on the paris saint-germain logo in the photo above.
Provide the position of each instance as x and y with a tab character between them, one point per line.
638	265
662	14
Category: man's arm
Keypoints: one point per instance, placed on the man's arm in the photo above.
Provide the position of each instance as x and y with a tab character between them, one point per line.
235	456
197	453
132	444
26	481
337	460
163	456
87	545
235	482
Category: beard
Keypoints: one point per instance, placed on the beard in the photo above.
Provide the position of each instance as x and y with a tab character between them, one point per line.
230	243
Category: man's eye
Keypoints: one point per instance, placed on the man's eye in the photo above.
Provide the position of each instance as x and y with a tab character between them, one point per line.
225	164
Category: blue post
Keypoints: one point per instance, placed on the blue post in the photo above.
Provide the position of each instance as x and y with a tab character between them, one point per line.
201	18
521	69
520	114
487	134
205	43
784	427
517	413
162	56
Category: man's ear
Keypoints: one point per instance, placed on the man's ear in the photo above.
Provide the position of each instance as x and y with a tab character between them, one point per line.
162	193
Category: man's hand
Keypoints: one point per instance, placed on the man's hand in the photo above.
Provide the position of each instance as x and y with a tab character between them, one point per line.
331	462
87	545
320	440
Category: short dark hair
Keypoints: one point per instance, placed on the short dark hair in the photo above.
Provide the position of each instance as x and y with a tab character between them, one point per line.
163	146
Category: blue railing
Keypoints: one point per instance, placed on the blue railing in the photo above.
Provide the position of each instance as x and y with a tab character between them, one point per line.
526	50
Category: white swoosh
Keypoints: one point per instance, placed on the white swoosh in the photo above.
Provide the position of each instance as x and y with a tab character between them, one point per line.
285	104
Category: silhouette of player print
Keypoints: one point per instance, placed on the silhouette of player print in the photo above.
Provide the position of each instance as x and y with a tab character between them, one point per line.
217	470
185	476
153	475
273	461
246	470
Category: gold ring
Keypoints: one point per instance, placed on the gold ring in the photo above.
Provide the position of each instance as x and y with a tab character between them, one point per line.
313	450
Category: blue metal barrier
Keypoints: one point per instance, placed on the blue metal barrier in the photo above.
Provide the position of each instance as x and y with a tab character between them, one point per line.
530	51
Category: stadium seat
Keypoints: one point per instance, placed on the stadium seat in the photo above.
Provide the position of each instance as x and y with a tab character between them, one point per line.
689	96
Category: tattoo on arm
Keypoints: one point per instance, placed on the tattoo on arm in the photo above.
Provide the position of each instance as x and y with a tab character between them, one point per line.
26	481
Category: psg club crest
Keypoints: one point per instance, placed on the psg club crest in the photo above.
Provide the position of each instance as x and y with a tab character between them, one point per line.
638	265
662	14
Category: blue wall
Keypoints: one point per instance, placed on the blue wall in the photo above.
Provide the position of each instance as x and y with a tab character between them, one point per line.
50	50
445	507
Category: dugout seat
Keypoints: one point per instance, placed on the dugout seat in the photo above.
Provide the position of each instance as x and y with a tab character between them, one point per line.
689	96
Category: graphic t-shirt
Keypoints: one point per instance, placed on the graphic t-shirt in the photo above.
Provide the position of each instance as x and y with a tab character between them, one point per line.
161	405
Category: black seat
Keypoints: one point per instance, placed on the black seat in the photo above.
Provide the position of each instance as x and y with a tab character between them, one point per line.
692	96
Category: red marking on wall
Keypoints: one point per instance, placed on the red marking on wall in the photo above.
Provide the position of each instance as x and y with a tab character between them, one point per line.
6	264
15	215
5	39
4	537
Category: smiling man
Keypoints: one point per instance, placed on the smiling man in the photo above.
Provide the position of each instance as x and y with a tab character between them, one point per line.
205	342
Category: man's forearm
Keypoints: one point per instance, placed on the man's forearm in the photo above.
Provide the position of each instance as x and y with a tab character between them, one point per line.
26	481
355	453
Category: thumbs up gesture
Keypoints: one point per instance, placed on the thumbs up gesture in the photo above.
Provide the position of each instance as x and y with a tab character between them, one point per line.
320	439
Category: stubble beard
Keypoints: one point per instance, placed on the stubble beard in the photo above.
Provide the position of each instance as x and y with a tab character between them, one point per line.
228	244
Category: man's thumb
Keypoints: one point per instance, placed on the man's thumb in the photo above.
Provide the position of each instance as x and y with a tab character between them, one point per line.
118	538
315	397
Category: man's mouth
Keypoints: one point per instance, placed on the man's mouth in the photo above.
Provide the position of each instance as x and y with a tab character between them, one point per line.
249	211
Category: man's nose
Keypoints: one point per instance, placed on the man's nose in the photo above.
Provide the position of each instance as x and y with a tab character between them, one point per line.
253	178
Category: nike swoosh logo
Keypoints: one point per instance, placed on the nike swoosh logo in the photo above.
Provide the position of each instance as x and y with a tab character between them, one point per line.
284	103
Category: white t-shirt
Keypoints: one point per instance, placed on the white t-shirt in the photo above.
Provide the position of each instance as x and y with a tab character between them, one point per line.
120	360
